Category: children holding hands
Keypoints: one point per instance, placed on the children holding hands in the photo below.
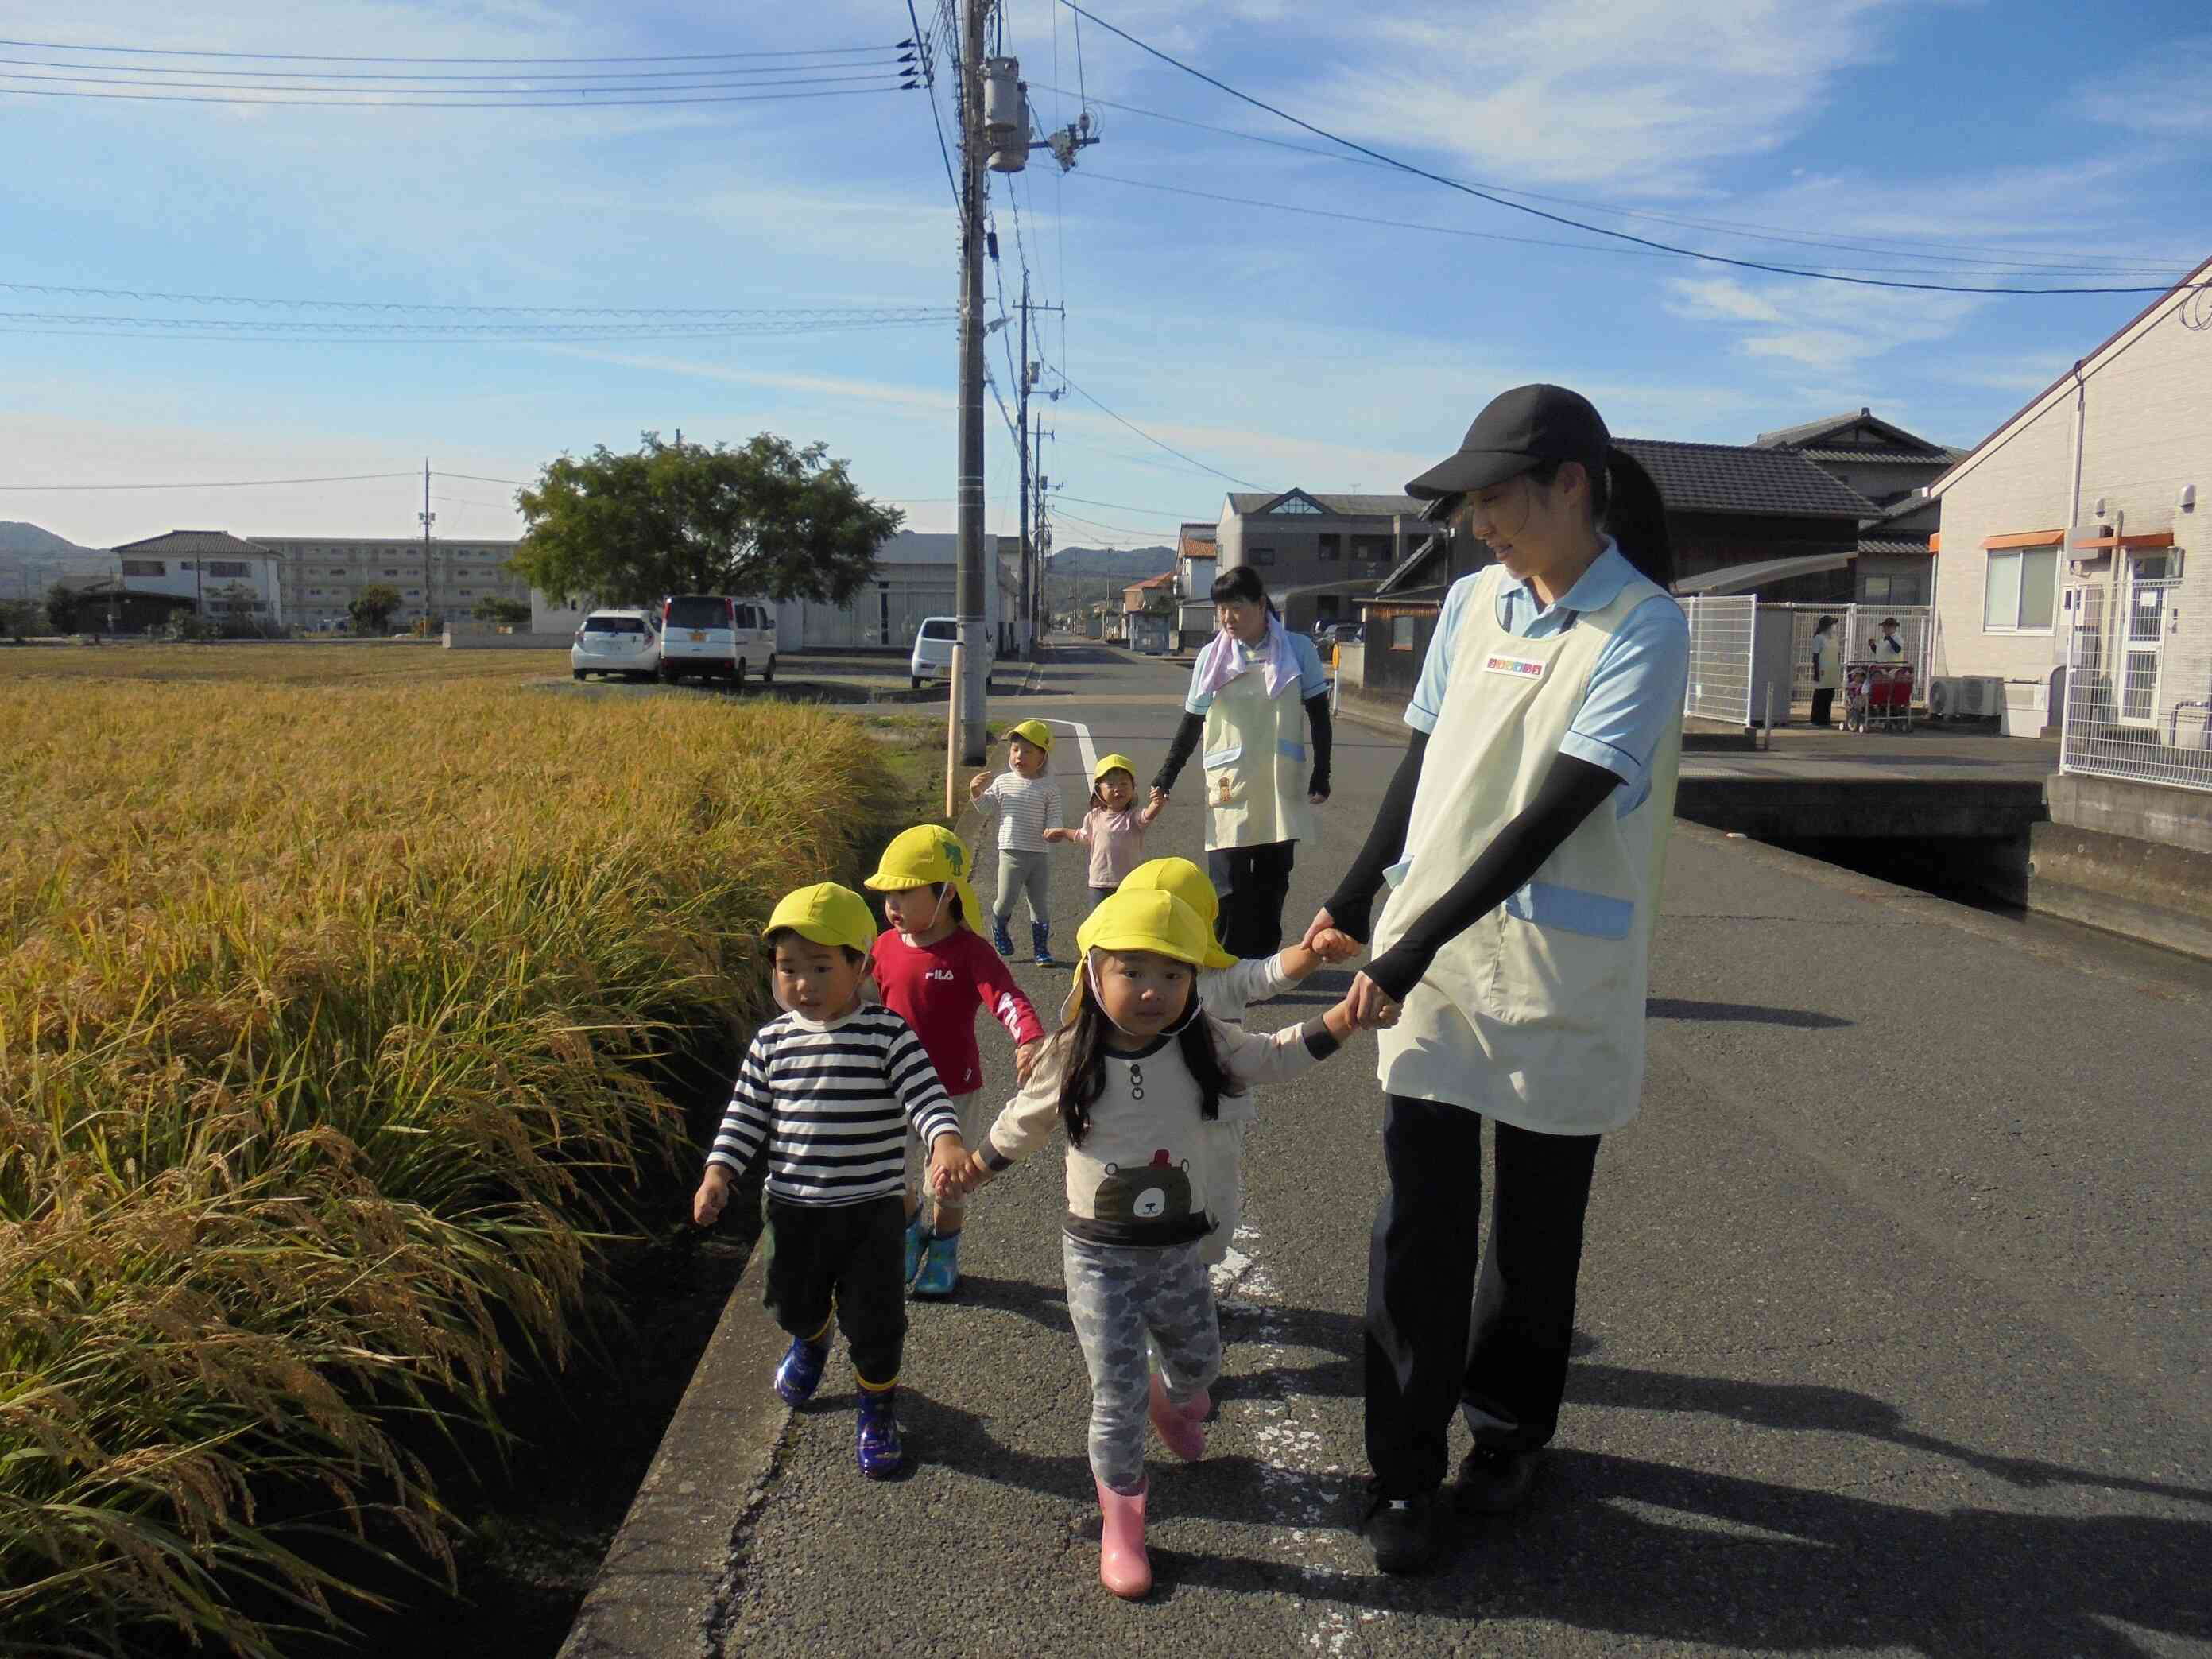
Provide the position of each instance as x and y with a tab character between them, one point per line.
936	973
1134	1080
1027	802
826	1093
1114	827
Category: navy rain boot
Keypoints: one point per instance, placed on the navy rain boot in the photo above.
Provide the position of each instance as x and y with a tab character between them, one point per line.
1041	936
881	1454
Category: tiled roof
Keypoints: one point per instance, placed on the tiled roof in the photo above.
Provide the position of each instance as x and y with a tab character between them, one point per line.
1345	507
1745	479
1809	429
1914	456
1890	548
180	542
1807	435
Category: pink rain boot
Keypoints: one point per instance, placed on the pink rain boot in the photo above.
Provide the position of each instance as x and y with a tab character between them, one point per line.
1182	1428
1123	1566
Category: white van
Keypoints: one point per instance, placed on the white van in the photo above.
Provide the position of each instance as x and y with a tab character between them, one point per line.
932	652
714	636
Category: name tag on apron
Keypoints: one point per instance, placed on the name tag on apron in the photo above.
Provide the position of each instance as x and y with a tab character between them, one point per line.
1519	668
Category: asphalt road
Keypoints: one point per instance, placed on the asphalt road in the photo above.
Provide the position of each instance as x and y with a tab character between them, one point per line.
1893	1330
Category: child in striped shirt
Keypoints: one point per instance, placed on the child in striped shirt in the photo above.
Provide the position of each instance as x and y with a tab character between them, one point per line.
1027	802
826	1093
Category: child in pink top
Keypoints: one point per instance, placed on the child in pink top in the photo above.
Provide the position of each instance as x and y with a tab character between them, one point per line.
1114	828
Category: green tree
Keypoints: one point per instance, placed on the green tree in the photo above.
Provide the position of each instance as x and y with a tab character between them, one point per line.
502	612
19	616
61	608
770	520
371	608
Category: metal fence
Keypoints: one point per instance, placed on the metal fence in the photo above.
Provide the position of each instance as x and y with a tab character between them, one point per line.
1857	625
2139	686
1720	658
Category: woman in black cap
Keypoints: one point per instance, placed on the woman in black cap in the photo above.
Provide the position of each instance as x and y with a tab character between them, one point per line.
1523	839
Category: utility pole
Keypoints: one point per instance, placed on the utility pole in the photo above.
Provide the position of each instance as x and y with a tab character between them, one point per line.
428	518
1022	443
966	736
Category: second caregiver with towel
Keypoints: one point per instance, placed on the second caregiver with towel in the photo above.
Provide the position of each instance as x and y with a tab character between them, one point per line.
1254	689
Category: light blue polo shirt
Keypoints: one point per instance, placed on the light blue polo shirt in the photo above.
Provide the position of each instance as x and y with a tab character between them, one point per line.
1635	691
1312	678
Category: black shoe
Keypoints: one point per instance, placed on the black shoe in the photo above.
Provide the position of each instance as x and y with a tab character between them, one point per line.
1493	1481
1403	1532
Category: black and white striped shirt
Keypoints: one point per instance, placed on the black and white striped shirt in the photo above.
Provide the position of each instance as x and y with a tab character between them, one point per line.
831	1104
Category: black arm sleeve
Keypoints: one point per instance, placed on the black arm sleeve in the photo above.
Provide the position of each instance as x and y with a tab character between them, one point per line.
1186	739
1352	906
1572	789
1323	737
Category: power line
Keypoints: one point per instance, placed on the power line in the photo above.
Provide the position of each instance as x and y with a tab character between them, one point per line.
1149	439
1903	247
227	483
1576	224
929	86
775	71
387	100
1124	507
670	313
420	93
333	57
320	328
1455	230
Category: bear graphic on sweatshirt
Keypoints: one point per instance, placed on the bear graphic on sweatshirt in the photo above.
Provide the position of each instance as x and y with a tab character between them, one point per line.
1160	1190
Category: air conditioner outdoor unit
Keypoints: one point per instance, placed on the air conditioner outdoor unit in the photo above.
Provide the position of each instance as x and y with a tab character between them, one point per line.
1959	698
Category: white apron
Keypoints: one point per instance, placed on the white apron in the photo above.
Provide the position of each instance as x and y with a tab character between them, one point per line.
1535	1013
1254	753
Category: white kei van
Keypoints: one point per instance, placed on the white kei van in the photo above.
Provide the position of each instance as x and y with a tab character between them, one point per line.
714	636
932	652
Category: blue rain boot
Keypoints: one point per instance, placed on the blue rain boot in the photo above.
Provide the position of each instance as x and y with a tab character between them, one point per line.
917	1236
1000	937
881	1454
800	1374
940	1268
1041	935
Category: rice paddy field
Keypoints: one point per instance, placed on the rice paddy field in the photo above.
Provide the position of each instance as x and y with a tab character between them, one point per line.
340	990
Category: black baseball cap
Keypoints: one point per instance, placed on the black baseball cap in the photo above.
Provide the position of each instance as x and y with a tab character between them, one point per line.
1517	431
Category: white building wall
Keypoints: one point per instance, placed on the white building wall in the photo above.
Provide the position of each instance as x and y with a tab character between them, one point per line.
2146	432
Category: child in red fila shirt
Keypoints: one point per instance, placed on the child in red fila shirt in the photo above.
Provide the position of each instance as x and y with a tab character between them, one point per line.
935	971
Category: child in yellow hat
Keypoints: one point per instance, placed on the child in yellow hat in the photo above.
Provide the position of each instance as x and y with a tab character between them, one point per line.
1114	827
825	1094
1134	1078
935	972
1027	802
1227	987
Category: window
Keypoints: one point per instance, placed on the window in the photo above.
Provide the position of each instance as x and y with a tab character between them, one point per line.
1262	554
1332	547
1402	633
414	592
698	611
146	568
1295	504
1370	547
391	573
227	567
2018	590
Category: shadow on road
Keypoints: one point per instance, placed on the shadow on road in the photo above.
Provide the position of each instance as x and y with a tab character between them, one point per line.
1742	1014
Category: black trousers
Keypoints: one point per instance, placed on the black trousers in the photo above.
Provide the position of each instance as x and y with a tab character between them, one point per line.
846	1256
1824	705
1254	883
1437	1334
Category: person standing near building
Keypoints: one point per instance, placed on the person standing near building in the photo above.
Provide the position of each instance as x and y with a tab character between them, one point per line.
1254	690
1523	839
1827	670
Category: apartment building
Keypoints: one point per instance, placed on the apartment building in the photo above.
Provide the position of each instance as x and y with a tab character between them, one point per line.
320	577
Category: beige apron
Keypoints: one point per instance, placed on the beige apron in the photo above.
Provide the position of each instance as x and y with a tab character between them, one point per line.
1535	1013
1255	754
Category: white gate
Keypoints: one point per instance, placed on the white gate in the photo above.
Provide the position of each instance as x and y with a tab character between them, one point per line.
1720	658
2139	684
1857	626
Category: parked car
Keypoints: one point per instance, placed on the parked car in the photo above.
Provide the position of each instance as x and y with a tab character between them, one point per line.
1345	634
714	636
932	652
624	642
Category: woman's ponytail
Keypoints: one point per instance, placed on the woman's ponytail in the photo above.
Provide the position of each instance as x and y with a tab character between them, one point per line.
1634	516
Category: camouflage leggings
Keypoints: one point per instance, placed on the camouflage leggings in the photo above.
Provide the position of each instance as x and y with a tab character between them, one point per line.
1116	1296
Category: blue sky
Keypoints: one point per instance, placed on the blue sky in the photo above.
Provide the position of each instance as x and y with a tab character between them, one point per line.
1277	345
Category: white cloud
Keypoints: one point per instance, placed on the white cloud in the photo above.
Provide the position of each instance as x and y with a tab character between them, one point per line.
1821	325
2168	95
1640	94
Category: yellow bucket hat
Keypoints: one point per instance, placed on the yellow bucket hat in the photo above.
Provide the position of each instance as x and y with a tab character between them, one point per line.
1142	920
924	856
1035	731
1113	763
1188	883
827	914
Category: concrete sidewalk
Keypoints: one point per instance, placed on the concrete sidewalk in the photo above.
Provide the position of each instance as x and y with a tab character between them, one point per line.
1890	1342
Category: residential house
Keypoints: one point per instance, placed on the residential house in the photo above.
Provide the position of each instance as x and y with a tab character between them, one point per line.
1197	559
2064	565
1319	554
211	573
1148	609
1893	467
